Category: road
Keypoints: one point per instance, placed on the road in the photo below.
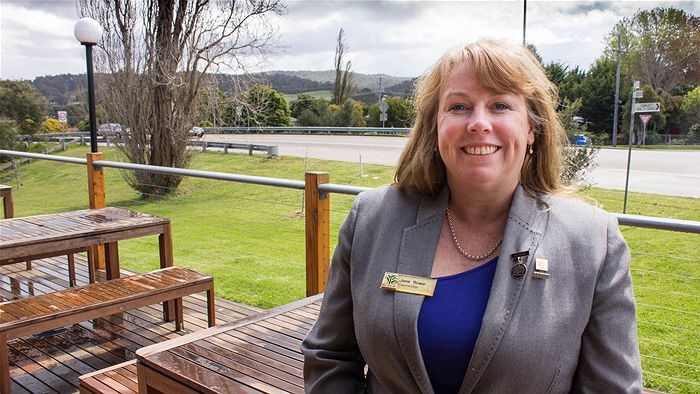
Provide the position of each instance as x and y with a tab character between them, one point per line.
667	172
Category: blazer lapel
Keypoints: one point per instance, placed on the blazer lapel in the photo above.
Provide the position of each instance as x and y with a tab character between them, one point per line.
418	245
526	221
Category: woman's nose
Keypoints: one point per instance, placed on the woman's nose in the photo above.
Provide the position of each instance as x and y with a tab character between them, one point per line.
479	121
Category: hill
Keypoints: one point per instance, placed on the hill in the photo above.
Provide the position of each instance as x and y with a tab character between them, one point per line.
62	90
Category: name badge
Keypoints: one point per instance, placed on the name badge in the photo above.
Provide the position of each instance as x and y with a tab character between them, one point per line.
541	269
408	284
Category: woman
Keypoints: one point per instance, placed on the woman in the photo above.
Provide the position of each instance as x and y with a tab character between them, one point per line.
532	292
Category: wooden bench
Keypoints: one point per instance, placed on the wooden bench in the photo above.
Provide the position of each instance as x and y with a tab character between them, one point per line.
117	379
31	315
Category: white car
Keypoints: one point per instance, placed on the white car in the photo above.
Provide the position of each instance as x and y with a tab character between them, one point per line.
196	132
111	130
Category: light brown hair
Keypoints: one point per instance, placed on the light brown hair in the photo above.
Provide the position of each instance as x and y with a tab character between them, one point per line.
505	68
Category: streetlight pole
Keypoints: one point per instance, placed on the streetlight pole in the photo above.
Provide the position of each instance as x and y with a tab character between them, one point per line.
89	32
524	20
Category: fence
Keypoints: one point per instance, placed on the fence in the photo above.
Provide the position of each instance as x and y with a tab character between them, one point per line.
264	229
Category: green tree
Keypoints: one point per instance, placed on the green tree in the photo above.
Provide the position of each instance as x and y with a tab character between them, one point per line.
691	104
690	108
350	114
597	91
662	45
399	114
20	102
265	106
310	110
8	136
568	81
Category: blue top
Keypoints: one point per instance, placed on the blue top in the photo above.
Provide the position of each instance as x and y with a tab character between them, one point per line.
449	323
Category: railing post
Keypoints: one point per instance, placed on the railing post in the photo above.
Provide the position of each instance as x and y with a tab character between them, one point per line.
317	232
96	192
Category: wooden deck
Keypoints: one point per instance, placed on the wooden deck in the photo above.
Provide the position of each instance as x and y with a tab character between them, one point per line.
52	362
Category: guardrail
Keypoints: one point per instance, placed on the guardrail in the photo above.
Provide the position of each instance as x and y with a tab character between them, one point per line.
307	130
271	150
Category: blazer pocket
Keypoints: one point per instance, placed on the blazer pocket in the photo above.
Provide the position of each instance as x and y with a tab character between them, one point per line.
553	384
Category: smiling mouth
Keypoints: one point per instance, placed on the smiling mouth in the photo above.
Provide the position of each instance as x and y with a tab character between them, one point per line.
480	150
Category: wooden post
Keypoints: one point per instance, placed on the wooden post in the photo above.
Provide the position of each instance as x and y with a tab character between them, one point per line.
96	194
317	232
8	205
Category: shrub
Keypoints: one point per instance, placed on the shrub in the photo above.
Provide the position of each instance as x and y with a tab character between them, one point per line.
577	163
653	138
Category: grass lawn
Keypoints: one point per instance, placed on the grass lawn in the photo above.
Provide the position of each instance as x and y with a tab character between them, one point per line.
251	238
322	94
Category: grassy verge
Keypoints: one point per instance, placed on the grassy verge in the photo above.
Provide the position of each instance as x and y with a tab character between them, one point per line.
654	147
251	238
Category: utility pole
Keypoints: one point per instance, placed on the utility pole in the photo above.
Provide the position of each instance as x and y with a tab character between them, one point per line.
617	89
381	92
524	19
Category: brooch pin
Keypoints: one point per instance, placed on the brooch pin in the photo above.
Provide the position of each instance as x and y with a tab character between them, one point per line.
519	269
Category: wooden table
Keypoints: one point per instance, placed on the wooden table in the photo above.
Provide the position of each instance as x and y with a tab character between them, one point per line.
35	237
260	353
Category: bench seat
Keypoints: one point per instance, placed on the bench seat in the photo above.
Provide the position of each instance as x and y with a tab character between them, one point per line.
31	315
117	379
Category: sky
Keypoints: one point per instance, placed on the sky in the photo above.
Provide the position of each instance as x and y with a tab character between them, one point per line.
399	38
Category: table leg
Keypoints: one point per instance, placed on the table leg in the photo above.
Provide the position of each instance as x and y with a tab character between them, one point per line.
165	246
91	266
5	384
71	269
8	206
112	260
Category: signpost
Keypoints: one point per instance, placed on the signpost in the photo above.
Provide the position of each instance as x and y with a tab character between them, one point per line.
63	116
647	107
636	93
645	119
383	106
637	107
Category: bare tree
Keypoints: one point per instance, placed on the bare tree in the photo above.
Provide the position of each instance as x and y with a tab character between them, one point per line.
157	54
342	89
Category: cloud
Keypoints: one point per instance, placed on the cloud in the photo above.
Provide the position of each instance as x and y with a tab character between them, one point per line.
401	38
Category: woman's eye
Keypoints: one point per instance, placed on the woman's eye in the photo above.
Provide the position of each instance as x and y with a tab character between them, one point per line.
458	107
501	106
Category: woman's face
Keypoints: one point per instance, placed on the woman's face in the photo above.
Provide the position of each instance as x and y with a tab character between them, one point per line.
482	134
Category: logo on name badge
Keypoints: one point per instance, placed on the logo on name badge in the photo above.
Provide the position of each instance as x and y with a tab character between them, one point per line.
408	284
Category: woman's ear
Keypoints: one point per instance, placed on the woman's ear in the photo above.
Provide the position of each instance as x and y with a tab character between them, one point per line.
531	136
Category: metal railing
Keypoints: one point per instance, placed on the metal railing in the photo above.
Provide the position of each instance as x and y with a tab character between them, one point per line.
667	296
687	226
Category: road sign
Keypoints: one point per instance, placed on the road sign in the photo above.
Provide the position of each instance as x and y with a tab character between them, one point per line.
382	117
63	116
383	105
645	118
647	107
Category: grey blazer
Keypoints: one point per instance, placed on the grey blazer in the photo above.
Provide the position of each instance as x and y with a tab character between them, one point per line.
572	332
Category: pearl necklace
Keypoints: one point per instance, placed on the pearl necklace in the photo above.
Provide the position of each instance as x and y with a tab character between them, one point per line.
459	247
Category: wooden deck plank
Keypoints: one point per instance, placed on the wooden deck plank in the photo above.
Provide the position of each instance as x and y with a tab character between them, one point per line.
53	363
